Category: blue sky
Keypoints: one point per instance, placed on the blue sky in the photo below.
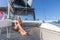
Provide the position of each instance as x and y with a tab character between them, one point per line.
44	8
47	8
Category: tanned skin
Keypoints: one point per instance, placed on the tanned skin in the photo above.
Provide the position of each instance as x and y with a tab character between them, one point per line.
18	27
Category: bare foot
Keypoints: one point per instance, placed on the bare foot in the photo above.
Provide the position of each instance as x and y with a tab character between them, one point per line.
23	33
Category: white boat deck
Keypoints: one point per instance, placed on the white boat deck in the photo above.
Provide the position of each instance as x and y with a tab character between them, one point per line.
36	29
50	27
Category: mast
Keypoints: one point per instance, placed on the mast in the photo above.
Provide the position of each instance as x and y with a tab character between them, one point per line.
8	8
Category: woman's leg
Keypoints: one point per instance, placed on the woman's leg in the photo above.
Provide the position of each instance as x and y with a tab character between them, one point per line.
16	27
22	31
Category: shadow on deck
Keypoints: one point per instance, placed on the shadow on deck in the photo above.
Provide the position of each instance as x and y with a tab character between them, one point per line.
34	34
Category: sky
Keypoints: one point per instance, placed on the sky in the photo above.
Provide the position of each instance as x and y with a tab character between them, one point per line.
47	9
44	9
